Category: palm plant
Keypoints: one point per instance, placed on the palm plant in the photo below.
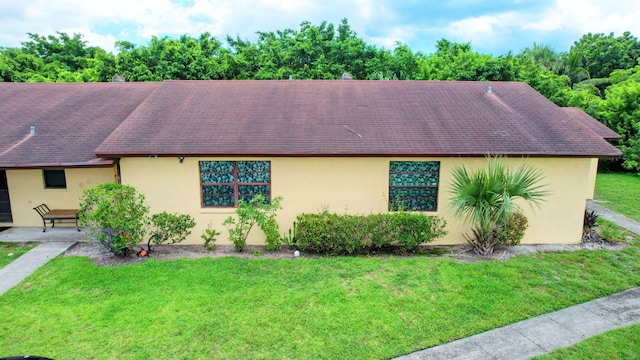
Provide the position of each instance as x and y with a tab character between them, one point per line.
485	198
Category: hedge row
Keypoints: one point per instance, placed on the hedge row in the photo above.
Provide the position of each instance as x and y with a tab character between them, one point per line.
352	234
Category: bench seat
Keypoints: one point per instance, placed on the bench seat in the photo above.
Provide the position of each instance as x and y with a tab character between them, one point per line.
56	214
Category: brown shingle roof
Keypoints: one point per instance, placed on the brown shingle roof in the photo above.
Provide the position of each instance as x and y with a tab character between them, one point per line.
70	121
352	118
591	123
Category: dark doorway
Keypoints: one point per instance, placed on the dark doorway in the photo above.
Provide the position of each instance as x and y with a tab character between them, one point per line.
5	205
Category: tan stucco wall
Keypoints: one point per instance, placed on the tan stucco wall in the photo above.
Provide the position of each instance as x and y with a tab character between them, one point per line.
26	191
593	173
356	186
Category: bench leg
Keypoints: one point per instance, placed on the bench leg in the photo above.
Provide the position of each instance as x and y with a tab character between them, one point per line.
44	225
77	227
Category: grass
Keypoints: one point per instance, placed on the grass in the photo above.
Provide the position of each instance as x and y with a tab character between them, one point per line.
616	344
365	308
11	251
621	192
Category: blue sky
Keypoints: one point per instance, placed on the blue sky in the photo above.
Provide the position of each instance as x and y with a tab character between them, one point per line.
492	27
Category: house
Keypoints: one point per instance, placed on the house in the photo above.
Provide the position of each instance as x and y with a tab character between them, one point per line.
196	147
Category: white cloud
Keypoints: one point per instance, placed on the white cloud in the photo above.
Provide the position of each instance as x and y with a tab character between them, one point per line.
379	22
583	16
484	31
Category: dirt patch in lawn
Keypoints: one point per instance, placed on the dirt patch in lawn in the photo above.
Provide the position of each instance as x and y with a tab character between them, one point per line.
461	253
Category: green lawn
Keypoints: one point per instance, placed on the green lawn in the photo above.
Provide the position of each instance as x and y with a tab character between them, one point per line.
336	308
619	344
621	191
11	251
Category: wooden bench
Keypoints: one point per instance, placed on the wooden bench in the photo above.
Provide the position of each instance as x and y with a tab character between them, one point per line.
56	214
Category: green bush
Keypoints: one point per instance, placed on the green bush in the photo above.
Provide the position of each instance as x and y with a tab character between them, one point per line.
209	236
255	211
115	215
512	232
172	228
352	234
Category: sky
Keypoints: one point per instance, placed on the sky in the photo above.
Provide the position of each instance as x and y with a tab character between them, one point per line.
492	27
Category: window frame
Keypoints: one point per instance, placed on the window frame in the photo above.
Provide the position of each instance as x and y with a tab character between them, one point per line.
393	206
48	175
236	184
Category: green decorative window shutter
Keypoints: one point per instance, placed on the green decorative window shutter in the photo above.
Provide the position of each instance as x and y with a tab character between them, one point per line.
413	185
223	183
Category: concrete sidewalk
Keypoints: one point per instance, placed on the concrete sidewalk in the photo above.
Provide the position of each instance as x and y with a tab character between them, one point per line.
53	243
544	333
614	217
12	274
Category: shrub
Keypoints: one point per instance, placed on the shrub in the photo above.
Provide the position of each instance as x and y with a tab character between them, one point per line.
351	234
588	224
512	232
115	215
172	228
289	239
485	198
256	211
209	236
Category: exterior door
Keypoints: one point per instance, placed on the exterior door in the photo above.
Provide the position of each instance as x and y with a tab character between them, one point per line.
5	206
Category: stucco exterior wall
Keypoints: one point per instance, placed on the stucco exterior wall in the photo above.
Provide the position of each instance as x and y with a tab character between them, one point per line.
593	173
356	186
26	191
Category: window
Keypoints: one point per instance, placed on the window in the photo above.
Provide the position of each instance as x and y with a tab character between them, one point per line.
413	185
223	183
54	179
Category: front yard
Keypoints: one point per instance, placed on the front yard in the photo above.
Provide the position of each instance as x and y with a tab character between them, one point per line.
304	308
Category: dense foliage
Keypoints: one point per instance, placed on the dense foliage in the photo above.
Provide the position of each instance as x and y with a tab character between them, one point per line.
257	211
170	228
485	199
335	234
117	217
598	74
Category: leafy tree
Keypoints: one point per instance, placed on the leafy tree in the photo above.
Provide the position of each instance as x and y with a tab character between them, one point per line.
605	53
185	58
56	58
454	61
575	66
620	111
541	55
485	199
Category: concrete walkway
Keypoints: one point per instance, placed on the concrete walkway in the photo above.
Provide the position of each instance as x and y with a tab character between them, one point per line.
26	264
614	217
53	242
548	332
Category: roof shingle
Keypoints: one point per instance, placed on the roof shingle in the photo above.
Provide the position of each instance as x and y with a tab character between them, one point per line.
351	118
75	122
70	121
